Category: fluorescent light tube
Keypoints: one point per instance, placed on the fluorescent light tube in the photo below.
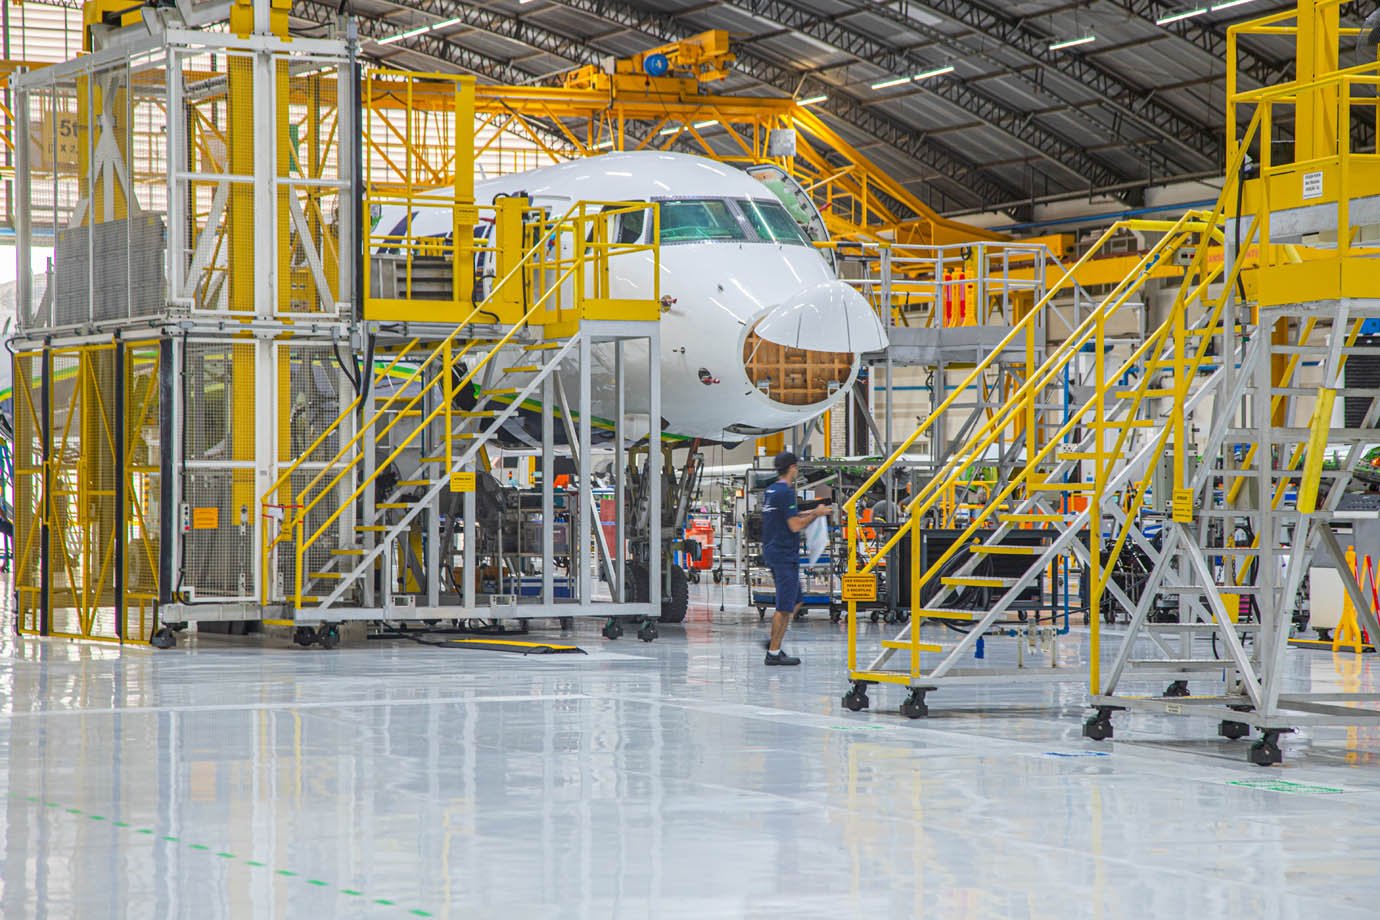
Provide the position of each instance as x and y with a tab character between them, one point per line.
888	84
1072	42
1175	17
401	35
811	100
937	72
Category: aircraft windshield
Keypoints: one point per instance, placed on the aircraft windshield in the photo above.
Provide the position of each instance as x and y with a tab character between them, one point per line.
692	220
745	220
772	222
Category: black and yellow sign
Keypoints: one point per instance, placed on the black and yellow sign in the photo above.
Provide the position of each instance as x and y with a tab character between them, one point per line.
860	587
462	482
1183	506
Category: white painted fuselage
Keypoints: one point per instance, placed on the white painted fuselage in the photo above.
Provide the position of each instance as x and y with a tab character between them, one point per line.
724	274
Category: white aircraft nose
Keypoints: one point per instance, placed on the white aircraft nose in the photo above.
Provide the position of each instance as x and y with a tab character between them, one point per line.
828	316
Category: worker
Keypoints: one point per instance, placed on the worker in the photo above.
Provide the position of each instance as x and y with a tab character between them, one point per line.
782	523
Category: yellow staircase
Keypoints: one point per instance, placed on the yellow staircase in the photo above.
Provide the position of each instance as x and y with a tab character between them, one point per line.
1062	465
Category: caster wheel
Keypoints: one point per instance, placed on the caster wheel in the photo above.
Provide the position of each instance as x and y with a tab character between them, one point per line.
761	614
304	636
1233	730
835	615
855	700
1324	635
914	707
163	638
1266	752
647	632
800	615
718	576
1177	689
694	577
1099	727
875	617
612	629
567	623
328	635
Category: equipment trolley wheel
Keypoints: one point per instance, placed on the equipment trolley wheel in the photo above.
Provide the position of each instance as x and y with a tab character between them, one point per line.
647	631
1266	752
612	629
163	637
328	635
304	636
855	700
1099	727
1233	730
914	707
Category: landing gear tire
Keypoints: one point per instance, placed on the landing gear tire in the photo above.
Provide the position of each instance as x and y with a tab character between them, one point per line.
647	632
914	707
328	636
1233	731
163	638
612	629
675	604
1266	752
855	700
304	636
1099	727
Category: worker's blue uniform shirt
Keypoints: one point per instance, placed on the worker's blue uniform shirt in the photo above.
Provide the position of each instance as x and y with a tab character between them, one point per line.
781	545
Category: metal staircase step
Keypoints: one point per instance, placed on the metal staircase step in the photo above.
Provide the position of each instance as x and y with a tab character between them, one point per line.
335	575
411	483
948	613
1062	486
543	346
1002	549
1028	518
384	506
902	644
373	528
347	552
1180	664
500	391
476	413
1076	455
522	369
976	581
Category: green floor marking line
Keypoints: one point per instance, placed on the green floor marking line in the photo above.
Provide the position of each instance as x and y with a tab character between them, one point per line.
256	864
1285	786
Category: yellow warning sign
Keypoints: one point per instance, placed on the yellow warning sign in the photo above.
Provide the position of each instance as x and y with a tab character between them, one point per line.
1183	506
462	482
860	587
205	518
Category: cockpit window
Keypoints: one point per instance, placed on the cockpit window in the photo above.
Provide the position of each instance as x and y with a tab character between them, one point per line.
693	220
772	222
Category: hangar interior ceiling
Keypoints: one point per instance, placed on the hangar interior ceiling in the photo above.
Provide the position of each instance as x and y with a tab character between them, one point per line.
1012	119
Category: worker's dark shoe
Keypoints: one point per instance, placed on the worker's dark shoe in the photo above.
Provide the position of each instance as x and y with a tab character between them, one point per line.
781	659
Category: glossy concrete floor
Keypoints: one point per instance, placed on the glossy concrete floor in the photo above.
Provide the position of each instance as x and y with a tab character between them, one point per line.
676	779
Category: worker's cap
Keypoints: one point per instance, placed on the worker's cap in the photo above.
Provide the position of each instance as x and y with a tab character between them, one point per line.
785	460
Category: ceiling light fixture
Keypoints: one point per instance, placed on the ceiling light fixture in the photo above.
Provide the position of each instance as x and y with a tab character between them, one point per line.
1072	42
923	75
811	100
1185	14
1229	4
401	35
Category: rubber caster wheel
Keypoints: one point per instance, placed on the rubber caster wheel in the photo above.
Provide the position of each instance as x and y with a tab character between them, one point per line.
1233	730
163	637
328	636
567	623
761	614
855	700
835	615
1099	727
647	632
718	576
304	636
914	707
800	615
612	629
1324	635
1177	689
875	616
1266	752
